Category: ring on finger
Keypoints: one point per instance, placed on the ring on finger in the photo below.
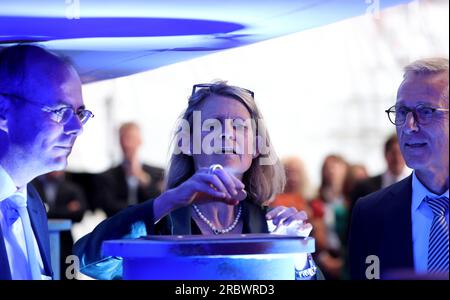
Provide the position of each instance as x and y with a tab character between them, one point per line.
214	167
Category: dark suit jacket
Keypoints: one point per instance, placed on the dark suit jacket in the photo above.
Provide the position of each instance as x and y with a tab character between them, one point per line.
113	188
65	193
365	187
381	225
38	219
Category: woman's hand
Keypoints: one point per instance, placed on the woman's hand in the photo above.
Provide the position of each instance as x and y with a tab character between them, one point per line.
206	185
289	221
210	185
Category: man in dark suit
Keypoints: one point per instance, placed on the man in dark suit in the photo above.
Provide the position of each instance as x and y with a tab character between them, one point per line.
64	200
41	115
395	172
402	231
131	182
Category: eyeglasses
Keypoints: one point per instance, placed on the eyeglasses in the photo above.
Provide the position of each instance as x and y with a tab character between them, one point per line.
200	86
422	114
61	115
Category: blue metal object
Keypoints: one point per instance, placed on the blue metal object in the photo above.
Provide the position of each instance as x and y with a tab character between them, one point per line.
118	38
223	257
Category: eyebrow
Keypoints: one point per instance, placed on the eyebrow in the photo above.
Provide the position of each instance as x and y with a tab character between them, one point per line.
62	104
420	103
223	117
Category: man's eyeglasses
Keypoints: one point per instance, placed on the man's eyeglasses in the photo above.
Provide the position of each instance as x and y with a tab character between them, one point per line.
422	114
200	86
61	115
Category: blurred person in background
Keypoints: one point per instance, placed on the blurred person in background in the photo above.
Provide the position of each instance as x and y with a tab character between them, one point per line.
355	174
396	171
132	181
329	210
297	189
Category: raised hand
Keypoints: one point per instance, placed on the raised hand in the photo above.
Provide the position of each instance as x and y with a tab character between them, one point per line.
206	185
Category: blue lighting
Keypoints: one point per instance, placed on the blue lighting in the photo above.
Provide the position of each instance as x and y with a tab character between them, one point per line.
60	28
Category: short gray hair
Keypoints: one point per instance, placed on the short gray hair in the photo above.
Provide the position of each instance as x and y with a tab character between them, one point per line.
427	66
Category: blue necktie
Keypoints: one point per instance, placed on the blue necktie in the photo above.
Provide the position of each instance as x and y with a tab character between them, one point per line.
13	208
438	239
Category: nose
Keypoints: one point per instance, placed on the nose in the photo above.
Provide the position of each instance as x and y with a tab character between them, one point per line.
228	131
411	124
74	126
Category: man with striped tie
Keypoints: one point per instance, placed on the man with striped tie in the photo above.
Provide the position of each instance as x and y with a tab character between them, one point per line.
402	231
41	115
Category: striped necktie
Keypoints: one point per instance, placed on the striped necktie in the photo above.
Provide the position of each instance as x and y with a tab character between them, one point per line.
438	239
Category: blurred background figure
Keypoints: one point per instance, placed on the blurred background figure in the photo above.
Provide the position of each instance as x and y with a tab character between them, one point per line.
297	189
329	211
355	174
63	199
396	171
131	182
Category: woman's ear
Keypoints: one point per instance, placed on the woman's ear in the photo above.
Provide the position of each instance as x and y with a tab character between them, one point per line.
258	145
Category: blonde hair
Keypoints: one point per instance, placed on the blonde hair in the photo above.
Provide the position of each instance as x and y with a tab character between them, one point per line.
262	181
128	125
304	189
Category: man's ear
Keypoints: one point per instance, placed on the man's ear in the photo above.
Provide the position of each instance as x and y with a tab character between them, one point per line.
4	107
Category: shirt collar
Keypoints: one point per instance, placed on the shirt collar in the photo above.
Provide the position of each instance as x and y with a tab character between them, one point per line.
389	178
419	192
7	184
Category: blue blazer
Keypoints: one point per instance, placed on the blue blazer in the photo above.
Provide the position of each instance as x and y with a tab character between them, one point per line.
38	219
381	225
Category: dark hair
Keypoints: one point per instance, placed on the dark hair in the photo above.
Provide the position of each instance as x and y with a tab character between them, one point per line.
324	181
13	65
391	141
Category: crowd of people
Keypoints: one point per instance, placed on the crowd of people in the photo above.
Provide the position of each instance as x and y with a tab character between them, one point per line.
223	182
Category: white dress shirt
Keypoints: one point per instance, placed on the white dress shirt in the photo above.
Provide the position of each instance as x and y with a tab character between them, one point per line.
422	218
14	236
387	178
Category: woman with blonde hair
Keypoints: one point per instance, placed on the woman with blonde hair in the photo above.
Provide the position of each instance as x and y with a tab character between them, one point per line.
219	181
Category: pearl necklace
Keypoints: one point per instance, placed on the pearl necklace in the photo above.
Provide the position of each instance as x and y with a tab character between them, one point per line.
213	228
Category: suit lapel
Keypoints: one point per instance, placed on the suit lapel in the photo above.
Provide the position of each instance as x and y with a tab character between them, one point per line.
39	224
181	221
397	247
254	218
